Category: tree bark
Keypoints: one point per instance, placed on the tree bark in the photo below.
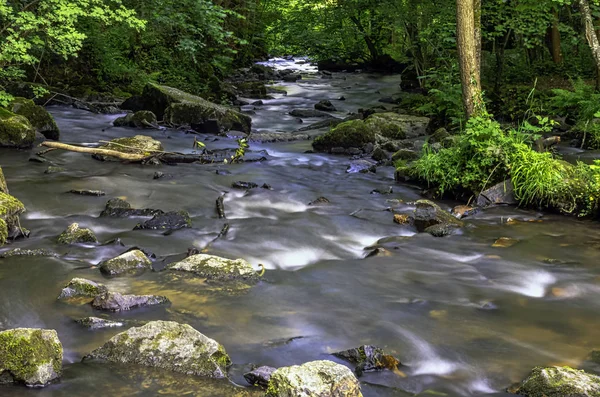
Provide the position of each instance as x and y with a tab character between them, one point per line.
590	35
468	57
555	40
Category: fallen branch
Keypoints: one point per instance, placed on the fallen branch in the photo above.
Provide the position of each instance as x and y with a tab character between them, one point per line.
137	157
221	207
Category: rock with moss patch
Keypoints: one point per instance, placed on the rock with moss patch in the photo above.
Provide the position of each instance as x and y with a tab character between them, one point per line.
167	345
116	302
398	126
215	268
82	288
438	136
30	356
442	229
129	262
94	323
559	382
405	155
39	117
314	379
39	252
173	220
260	376
369	358
15	130
252	89
427	214
138	144
10	209
140	119
119	208
3	186
350	134
76	235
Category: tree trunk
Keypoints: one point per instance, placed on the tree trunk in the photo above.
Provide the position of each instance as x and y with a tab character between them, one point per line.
555	40
467	57
477	16
368	40
590	35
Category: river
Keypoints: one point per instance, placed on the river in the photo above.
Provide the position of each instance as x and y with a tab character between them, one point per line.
466	318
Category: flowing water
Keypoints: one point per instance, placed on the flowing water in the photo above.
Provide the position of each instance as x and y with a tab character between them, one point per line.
466	318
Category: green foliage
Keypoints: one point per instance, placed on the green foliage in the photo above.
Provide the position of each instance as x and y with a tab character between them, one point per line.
444	96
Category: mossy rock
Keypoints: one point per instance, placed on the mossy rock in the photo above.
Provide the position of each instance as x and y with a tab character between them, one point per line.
3	186
167	345
438	136
428	214
314	379
39	117
138	144
215	268
116	302
398	126
559	382
3	232
405	155
182	109
252	89
140	119
30	356
15	130
350	134
10	209
129	262
82	288
74	235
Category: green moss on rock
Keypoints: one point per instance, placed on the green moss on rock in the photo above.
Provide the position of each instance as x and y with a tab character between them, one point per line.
129	262
140	119
216	268
559	382
31	356
167	345
15	130
3	186
3	232
134	144
74	234
82	288
314	379
428	214
39	118
350	134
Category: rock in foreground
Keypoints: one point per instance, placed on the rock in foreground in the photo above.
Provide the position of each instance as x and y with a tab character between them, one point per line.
30	356
559	382
82	288
39	117
129	262
167	345
314	379
368	358
116	302
216	268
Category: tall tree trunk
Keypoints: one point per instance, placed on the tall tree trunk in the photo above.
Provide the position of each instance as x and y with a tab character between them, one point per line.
590	35
477	16
368	40
555	40
467	57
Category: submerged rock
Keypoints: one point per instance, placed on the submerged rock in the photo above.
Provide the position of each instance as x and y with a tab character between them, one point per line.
39	117
309	113
559	382
129	262
173	220
244	185
260	376
30	356
167	345
442	229
139	119
215	268
82	288
95	193
116	302
361	166
325	106
502	193
98	323
118	208
314	379
28	252
369	358
427	214
15	130
74	235
320	201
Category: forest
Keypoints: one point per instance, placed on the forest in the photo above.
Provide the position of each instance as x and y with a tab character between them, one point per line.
354	197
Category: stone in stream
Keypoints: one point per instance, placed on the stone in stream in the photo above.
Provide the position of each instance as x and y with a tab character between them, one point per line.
558	382
369	358
96	193
215	268
118	208
15	130
428	214
139	119
116	302
320	201
463	211
403	219
173	220
167	345
54	170
30	356
325	106
128	262
138	144
244	185
10	209
361	166
309	113
329	123
499	194
378	154
314	379
39	117
405	154
82	288
76	235
260	376
94	323
40	252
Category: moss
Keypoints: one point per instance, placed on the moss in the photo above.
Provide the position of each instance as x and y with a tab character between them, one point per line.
81	287
3	186
10	206
559	382
388	125
128	262
39	118
24	351
353	133
134	144
3	232
75	234
15	130
216	268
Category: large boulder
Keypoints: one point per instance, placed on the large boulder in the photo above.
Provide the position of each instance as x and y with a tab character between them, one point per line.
10	209
82	288
129	262
430	217
15	130
30	356
167	345
39	117
182	109
559	382
215	268
116	302
314	379
76	235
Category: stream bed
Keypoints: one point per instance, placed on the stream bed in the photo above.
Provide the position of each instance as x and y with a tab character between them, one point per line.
465	318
